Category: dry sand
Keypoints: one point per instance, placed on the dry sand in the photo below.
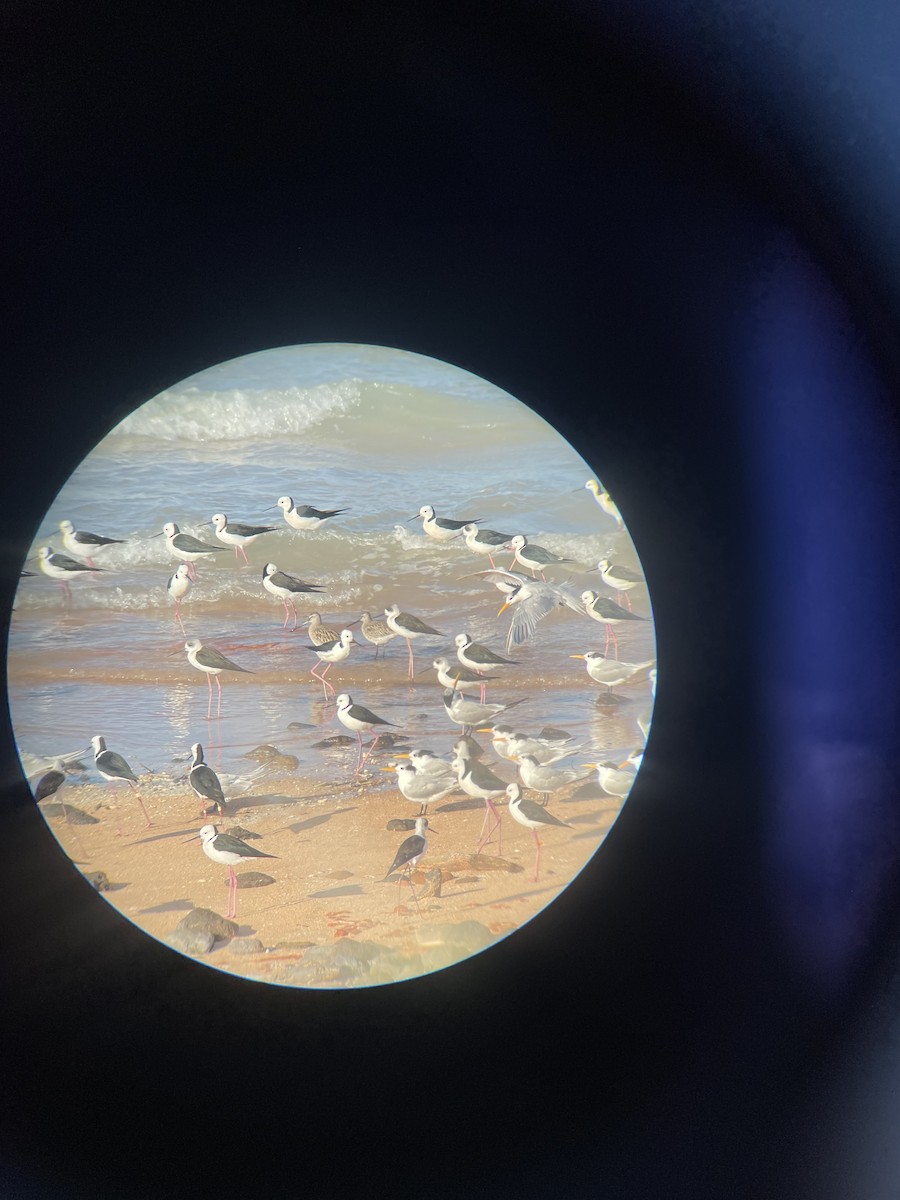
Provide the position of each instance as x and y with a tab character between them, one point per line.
333	849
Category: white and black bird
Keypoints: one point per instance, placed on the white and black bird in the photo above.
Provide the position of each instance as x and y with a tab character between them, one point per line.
485	541
605	501
534	817
212	662
422	788
359	720
49	783
205	783
615	780
62	568
535	558
469	713
548	779
455	675
228	851
531	601
479	658
611	672
545	753
328	654
115	769
409	853
379	633
234	534
286	588
304	516
480	782
409	627
186	547
442	529
621	578
177	588
608	613
82	545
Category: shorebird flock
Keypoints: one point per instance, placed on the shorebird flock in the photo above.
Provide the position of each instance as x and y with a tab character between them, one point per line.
540	753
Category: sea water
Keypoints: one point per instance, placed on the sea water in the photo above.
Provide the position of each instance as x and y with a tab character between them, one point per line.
377	432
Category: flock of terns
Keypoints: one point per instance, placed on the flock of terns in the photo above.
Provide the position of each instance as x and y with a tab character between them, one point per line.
424	778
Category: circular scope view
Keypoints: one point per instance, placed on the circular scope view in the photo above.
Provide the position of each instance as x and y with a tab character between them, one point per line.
335	666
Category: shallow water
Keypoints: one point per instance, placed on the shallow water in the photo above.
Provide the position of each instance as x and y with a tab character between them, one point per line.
378	432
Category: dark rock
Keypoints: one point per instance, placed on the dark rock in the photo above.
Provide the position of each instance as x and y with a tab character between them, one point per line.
337	739
292	946
253	879
190	941
75	816
98	880
263	753
207	921
300	725
397	824
480	862
342	963
432	888
246	945
239	831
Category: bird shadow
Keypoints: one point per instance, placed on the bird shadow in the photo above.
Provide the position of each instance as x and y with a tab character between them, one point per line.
169	906
319	819
350	889
163	837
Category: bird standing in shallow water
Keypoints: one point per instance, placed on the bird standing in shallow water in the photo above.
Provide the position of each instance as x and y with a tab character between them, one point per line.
409	627
210	661
286	587
304	516
81	544
178	587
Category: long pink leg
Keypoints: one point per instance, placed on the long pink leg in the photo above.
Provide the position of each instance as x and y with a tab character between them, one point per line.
412	673
359	760
537	856
615	642
219	706
209	705
491	810
141	803
236	554
491	557
244	552
371	747
191	572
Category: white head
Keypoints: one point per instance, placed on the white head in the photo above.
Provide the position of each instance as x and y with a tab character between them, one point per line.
604	564
441	664
407	770
588	598
343	701
285	503
346	637
421	756
593	487
193	644
220	521
518	542
462	639
426	511
421	825
183	572
528	760
170	529
98	744
207	833
514	793
393	611
44	553
67	526
197	752
469	530
269	569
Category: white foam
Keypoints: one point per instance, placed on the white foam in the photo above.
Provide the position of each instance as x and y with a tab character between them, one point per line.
234	414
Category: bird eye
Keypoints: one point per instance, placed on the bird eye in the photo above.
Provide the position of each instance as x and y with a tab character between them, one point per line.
263	770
